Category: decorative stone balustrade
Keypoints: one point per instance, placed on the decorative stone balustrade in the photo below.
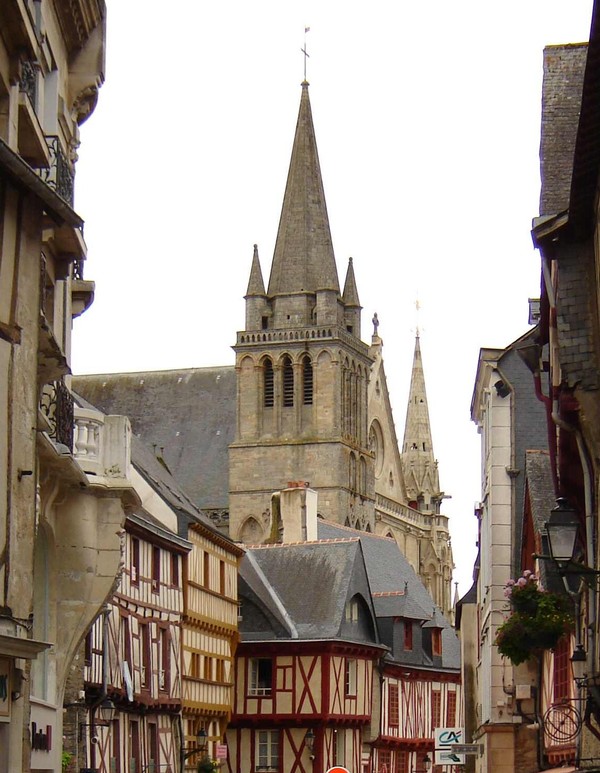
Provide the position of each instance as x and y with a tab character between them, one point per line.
101	444
291	335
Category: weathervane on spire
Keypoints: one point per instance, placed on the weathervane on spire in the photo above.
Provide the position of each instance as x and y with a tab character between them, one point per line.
304	51
418	309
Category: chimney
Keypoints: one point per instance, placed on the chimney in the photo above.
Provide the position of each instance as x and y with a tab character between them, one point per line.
298	505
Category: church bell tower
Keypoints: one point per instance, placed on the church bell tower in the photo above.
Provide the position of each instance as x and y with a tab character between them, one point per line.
302	369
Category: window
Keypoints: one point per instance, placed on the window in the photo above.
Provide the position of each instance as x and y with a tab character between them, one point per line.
269	393
206	569
164	675
351	611
145	655
288	383
436	641
307	381
451	710
222	577
393	705
350	677
408	635
401	762
134	570
384	761
174	570
261	676
155	569
267	750
436	709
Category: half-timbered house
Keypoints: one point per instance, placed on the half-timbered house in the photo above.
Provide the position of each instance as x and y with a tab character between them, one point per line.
132	656
163	650
307	659
419	685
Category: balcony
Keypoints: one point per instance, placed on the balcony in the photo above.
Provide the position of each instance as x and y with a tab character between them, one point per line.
101	446
58	175
32	143
57	407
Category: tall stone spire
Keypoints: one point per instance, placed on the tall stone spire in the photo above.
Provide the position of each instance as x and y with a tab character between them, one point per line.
303	260
420	467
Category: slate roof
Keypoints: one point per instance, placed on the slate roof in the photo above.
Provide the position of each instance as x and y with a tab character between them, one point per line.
564	67
389	570
311	581
187	415
164	484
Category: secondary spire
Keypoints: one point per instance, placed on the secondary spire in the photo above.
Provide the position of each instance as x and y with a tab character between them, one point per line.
420	468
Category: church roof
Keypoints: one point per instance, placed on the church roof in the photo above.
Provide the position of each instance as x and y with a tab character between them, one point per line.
187	416
303	260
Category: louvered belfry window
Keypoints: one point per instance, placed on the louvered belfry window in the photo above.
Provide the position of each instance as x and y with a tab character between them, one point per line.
307	380
268	384
288	383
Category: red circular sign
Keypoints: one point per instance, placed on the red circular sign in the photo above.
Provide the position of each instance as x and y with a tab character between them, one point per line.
338	769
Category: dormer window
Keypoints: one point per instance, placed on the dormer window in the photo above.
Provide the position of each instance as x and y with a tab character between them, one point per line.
436	641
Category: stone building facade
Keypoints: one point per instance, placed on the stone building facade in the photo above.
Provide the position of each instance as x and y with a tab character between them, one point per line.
64	475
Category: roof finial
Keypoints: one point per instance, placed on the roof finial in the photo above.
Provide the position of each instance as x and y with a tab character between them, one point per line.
417	309
306	54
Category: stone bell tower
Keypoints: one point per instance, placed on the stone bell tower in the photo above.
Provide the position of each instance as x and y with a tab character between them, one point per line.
302	369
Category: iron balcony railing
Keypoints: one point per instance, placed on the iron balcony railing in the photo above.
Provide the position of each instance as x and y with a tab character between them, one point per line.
28	82
57	406
58	175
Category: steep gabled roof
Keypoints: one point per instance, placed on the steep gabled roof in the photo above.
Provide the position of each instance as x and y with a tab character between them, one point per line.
388	570
312	582
303	260
188	416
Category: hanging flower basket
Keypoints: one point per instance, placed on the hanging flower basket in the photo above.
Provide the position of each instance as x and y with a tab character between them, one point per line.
537	622
208	765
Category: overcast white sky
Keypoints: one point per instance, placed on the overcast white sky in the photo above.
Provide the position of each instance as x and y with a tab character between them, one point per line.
427	116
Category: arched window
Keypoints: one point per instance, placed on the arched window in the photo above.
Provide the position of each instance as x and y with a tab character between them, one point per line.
268	383
288	383
307	380
363	475
352	472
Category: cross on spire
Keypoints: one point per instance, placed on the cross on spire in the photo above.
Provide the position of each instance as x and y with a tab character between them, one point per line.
305	52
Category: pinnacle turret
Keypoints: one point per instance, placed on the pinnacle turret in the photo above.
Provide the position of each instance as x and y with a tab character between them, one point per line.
256	285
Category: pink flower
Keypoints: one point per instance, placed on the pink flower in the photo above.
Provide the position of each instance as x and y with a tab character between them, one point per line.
527	573
510	583
507	593
521	582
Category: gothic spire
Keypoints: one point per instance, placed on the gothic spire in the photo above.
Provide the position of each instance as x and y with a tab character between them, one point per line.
256	285
420	468
303	260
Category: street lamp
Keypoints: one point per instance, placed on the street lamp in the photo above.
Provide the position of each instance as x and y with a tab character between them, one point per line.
578	664
201	744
